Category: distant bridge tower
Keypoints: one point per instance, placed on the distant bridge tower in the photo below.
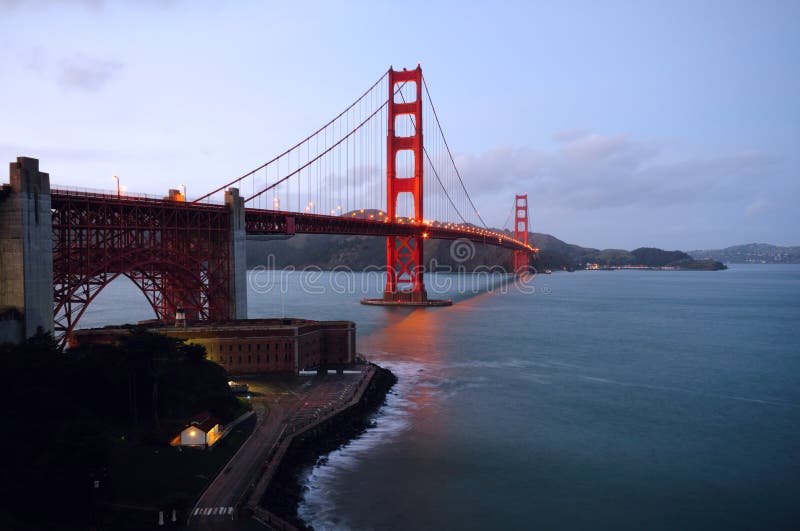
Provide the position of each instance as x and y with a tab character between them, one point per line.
521	258
404	254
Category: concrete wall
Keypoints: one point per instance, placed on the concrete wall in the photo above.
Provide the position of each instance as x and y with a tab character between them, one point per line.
238	254
26	247
339	344
251	355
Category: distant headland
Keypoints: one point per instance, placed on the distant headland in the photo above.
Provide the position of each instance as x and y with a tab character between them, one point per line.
751	253
365	252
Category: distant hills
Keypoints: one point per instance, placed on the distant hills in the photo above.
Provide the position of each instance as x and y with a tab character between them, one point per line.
752	253
556	254
362	252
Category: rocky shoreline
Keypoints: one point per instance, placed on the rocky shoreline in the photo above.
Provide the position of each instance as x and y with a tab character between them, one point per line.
284	493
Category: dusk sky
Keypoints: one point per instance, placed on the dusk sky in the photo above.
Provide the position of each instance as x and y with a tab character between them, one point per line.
668	124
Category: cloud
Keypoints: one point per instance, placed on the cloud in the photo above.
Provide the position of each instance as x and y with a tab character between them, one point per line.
93	5
76	72
38	4
757	207
82	72
590	171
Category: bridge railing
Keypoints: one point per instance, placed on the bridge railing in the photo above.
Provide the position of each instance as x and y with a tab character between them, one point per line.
110	194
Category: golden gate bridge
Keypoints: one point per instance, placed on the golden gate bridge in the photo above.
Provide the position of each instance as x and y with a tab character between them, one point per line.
368	171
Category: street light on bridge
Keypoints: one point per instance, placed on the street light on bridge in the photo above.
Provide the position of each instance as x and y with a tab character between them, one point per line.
118	187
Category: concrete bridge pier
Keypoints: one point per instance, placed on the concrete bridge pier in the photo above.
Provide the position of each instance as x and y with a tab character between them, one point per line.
238	254
26	252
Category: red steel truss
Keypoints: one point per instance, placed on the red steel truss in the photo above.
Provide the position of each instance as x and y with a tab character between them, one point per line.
178	254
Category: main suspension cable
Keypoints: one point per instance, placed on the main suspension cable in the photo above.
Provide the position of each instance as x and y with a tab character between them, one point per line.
436	116
309	137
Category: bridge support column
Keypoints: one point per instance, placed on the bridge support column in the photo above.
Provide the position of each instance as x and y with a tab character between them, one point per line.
237	254
26	252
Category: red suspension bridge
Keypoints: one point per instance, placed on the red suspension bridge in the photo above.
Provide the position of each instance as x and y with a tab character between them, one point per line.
368	171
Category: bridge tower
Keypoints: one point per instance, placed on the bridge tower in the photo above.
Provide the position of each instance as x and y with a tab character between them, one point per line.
521	258
404	254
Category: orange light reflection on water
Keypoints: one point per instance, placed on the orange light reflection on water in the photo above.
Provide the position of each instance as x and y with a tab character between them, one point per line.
415	343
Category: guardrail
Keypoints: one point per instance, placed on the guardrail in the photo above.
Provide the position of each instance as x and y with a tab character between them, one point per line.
76	191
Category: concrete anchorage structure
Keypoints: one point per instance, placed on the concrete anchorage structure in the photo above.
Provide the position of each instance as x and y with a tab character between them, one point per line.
26	253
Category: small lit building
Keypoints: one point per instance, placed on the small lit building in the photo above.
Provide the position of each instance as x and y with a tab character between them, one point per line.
202	432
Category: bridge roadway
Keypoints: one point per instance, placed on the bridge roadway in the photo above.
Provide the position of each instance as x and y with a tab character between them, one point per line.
262	222
279	405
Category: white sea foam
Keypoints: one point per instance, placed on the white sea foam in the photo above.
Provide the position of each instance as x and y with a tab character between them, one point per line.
415	381
317	507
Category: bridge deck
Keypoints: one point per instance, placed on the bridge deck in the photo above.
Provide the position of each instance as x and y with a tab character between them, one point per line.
261	221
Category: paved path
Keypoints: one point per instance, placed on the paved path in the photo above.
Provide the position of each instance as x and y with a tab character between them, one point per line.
277	412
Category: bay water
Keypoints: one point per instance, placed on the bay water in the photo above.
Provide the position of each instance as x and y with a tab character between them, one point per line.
587	400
